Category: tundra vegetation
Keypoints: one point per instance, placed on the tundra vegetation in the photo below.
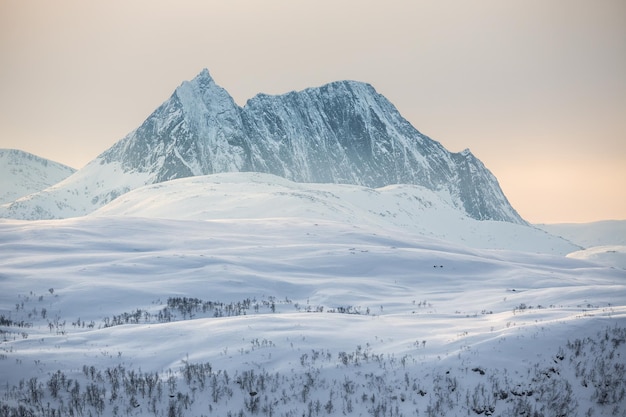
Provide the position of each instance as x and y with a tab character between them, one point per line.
321	382
106	316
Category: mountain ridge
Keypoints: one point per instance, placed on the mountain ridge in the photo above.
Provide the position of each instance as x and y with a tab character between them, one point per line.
341	132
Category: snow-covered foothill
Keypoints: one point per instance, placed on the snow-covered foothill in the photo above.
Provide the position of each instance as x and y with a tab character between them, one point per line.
608	255
602	242
22	173
409	208
588	235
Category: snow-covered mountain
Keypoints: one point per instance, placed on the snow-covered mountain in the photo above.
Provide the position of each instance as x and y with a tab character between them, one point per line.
343	132
405	208
22	173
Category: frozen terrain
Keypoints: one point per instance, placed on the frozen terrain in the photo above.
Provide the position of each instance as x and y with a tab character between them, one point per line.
242	303
603	242
588	235
409	208
22	173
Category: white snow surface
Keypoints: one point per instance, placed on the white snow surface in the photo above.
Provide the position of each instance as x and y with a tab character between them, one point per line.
101	182
324	307
609	255
407	208
22	173
602	242
588	235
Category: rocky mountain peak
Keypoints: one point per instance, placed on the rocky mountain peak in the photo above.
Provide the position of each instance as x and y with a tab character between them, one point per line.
341	132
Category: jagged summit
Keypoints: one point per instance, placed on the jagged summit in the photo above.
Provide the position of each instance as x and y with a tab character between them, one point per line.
204	74
341	132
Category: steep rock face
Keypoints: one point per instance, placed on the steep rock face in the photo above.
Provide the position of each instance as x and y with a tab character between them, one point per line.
342	132
345	132
195	132
478	190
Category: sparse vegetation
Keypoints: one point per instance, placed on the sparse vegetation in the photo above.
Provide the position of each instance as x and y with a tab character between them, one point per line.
371	384
205	329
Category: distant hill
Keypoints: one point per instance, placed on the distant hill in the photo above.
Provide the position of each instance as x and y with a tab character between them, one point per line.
22	173
603	242
405	208
587	235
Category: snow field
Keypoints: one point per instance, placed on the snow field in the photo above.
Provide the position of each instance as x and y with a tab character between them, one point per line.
315	316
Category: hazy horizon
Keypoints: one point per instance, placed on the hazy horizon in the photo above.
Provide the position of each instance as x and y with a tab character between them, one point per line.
536	90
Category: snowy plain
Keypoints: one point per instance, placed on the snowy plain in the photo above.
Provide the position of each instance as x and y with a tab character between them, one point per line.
246	294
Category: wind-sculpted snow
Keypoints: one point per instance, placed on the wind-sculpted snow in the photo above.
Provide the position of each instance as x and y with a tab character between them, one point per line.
408	208
118	315
343	132
604	242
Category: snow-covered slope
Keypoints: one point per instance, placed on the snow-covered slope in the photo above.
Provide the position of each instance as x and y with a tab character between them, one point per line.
587	235
410	208
22	173
343	132
603	242
110	316
608	255
79	194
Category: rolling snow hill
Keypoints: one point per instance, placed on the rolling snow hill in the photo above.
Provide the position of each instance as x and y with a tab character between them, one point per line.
603	242
342	132
22	173
410	208
288	316
588	235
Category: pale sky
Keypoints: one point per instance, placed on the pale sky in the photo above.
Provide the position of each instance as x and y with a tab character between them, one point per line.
535	88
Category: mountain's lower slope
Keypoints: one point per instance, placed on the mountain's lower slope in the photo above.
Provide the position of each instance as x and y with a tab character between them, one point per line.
118	316
410	208
22	173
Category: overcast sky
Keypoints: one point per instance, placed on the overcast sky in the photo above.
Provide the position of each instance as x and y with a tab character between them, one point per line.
535	88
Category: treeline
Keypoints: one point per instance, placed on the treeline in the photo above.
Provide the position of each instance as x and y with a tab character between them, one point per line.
187	308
